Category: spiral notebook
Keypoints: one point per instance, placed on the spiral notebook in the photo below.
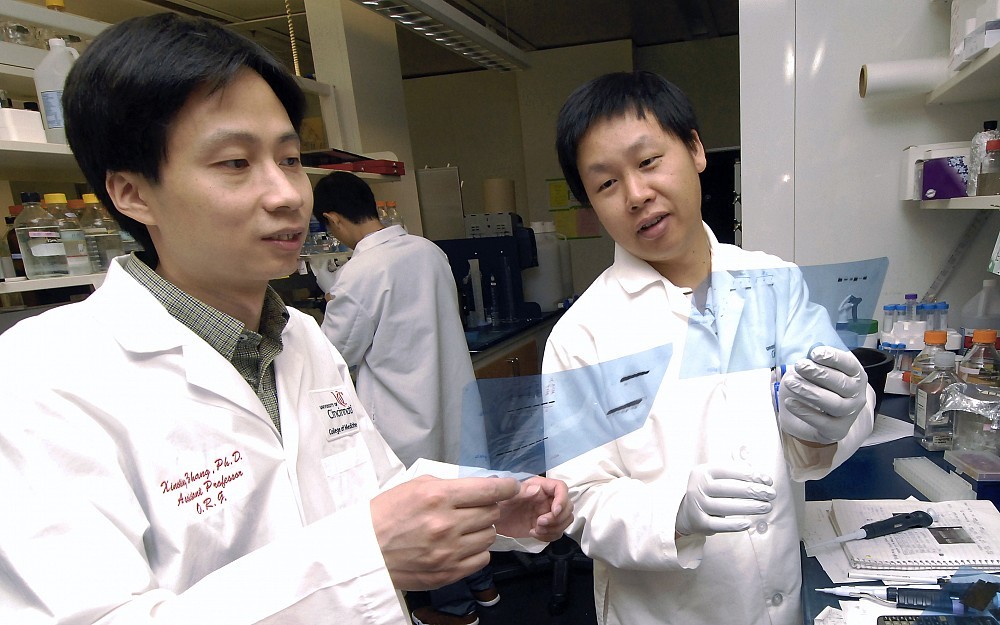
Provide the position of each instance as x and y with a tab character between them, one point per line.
964	533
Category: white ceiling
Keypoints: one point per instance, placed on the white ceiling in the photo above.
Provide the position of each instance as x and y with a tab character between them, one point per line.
528	24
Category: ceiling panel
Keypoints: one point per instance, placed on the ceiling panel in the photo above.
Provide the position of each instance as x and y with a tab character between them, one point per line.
528	24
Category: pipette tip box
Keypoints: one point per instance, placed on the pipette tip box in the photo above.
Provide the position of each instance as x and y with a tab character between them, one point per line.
981	469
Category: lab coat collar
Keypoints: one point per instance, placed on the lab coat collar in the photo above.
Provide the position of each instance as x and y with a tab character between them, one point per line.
379	237
140	324
635	274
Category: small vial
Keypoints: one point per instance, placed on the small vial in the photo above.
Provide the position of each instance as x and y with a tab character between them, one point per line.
942	315
888	317
910	306
921	310
900	313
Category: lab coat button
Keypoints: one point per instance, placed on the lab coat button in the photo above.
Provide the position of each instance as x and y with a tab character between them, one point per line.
776	599
762	527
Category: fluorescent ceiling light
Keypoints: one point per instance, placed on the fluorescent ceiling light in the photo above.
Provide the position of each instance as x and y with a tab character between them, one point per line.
447	26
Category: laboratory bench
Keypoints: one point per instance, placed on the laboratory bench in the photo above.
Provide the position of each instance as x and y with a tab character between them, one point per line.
511	349
868	474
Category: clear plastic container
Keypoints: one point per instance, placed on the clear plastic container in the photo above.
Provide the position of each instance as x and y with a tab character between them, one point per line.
977	153
932	426
981	364
934	342
39	240
50	76
75	244
989	171
888	317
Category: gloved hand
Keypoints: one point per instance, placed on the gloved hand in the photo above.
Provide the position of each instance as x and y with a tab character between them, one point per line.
822	395
718	497
321	269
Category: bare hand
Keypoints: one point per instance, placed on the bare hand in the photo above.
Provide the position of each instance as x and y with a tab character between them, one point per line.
541	510
433	532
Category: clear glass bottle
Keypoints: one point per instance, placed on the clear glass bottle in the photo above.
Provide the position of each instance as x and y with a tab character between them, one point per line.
39	240
933	428
75	244
981	363
934	342
102	234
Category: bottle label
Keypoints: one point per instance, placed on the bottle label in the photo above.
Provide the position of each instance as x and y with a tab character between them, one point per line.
921	409
52	106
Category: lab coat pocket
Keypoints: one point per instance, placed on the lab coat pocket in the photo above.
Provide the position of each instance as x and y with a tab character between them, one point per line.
350	476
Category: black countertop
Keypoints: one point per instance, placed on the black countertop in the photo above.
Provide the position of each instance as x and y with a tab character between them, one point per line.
485	337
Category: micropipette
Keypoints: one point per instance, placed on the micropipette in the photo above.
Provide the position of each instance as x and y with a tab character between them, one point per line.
895	523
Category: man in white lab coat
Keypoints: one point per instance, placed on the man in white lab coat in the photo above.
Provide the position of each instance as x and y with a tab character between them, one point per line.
181	447
393	314
690	518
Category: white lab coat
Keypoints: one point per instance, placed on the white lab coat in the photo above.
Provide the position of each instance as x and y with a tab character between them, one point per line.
714	405
394	315
143	481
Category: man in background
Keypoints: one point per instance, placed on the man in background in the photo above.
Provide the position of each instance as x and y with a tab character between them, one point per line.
393	313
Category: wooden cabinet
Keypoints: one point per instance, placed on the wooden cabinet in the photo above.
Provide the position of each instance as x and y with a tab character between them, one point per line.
519	355
512	362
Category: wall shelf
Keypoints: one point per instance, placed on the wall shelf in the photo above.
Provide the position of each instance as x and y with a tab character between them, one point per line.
980	202
39	284
978	81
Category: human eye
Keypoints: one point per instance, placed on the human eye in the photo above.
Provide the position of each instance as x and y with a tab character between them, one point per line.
235	163
649	162
605	185
290	161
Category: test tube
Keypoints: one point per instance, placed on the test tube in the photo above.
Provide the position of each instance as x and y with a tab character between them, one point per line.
888	317
910	306
921	310
901	313
941	311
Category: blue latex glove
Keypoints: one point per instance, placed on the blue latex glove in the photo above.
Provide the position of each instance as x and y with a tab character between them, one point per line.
821	396
719	498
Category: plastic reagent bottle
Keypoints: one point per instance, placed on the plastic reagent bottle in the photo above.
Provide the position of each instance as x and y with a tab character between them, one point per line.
50	76
39	239
934	342
977	152
982	363
933	428
104	240
75	244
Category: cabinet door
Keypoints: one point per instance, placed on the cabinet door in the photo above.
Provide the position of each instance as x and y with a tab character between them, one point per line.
515	362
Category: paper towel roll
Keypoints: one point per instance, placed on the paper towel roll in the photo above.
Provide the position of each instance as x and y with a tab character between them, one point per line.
498	196
916	76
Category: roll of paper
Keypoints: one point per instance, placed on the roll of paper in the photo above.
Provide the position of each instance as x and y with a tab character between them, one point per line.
916	76
498	195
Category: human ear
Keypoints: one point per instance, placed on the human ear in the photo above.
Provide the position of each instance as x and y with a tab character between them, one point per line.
698	152
128	191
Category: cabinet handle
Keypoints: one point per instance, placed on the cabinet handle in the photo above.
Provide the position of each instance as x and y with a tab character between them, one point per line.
515	366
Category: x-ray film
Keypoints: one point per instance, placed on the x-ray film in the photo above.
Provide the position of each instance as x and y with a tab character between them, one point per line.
751	319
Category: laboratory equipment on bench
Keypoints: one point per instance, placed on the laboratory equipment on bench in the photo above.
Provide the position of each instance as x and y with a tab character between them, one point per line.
894	524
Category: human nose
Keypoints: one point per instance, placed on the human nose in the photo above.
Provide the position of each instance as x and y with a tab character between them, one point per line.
283	189
637	190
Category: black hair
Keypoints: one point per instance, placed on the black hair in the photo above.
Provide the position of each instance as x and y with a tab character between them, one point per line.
125	91
345	194
615	95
